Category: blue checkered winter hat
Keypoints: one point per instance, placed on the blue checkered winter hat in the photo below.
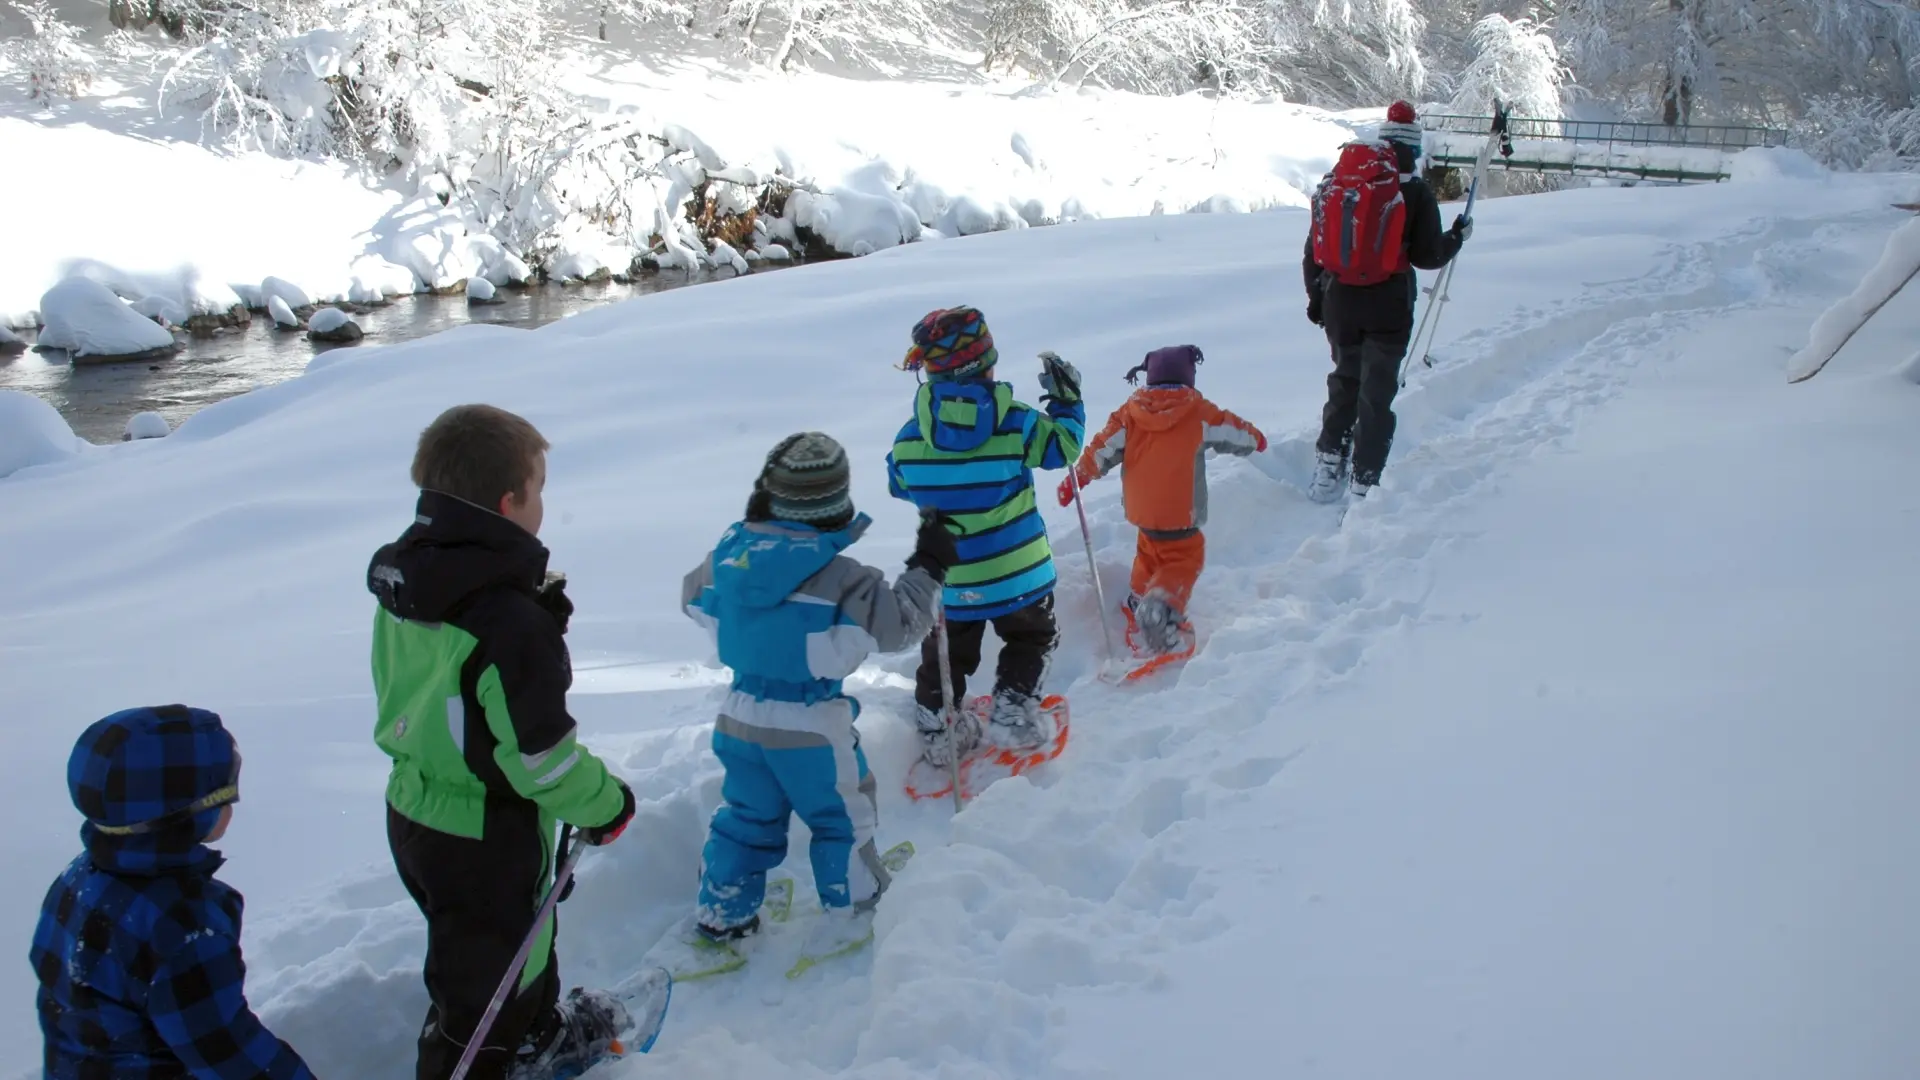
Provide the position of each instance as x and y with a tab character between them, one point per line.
149	772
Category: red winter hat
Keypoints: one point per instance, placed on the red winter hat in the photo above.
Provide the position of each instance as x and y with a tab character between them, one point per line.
1400	112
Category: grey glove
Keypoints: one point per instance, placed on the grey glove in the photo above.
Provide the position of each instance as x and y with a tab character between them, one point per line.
1058	379
1462	228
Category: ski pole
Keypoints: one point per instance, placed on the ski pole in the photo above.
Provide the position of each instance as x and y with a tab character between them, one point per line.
480	1031
946	697
1093	568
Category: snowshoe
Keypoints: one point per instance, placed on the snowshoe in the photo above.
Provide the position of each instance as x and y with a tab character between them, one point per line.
1016	722
692	951
583	1031
844	931
989	762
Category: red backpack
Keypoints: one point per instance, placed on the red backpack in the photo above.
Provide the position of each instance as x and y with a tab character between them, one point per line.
1359	216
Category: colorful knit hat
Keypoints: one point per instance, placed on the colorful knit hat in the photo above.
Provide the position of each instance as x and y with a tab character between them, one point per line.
1171	366
951	343
1402	126
805	479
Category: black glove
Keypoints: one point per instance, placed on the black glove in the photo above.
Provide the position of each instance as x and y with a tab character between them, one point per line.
1314	313
552	598
934	550
602	835
1462	228
1059	380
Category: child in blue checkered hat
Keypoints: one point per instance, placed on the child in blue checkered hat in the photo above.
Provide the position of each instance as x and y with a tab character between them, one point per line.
138	946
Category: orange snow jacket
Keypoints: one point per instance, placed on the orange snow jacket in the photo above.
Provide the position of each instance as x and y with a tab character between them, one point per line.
1163	434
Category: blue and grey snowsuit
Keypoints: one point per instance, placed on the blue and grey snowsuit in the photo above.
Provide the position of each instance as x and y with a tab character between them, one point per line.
138	947
793	617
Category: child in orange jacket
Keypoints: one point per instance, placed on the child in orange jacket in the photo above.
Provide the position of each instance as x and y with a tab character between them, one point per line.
1163	433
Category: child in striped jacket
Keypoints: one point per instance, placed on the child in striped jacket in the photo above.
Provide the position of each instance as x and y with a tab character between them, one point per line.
969	452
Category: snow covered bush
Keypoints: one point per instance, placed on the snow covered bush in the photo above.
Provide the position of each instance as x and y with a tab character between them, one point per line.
57	64
1859	134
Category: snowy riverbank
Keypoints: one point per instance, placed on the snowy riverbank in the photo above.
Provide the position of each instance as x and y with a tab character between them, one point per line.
130	197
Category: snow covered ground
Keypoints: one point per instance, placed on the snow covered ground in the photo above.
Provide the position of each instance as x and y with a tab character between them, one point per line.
1580	749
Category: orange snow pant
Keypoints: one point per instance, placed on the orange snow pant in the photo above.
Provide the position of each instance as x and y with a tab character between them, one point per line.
1172	566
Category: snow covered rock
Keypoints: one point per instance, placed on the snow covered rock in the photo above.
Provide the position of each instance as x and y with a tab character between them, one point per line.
852	222
332	325
725	256
32	432
146	425
283	316
295	297
480	291
508	269
375	280
776	253
11	344
163	310
87	320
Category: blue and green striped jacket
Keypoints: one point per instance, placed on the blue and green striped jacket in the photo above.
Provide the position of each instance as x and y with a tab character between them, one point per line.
970	451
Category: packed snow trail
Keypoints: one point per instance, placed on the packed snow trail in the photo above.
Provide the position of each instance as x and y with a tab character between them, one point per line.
1028	925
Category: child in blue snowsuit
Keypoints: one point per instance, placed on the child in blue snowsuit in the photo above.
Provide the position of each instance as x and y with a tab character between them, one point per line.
138	947
793	617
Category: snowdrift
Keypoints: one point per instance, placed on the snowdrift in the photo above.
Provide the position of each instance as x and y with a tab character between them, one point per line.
1545	738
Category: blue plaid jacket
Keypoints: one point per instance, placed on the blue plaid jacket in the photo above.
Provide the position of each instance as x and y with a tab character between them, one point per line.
138	946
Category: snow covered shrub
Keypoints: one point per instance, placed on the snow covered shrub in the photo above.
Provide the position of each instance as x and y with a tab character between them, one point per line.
1859	134
56	62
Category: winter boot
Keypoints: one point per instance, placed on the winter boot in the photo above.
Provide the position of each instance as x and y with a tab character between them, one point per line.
723	935
1363	483
1329	468
1162	628
579	1033
936	746
1016	722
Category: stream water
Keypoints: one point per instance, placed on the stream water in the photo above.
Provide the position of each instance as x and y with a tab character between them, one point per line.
97	399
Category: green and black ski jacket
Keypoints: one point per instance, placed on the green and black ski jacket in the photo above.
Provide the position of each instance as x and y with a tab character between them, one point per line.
471	677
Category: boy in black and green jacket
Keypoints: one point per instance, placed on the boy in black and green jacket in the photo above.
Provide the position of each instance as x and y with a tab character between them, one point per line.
471	674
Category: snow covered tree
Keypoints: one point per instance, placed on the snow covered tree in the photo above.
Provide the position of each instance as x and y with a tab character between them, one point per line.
1323	51
1516	62
1756	60
56	63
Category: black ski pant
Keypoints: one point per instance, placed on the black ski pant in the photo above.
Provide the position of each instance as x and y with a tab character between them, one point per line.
479	898
1027	640
1359	411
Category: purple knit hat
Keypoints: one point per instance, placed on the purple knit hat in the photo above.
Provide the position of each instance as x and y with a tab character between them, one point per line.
1170	366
